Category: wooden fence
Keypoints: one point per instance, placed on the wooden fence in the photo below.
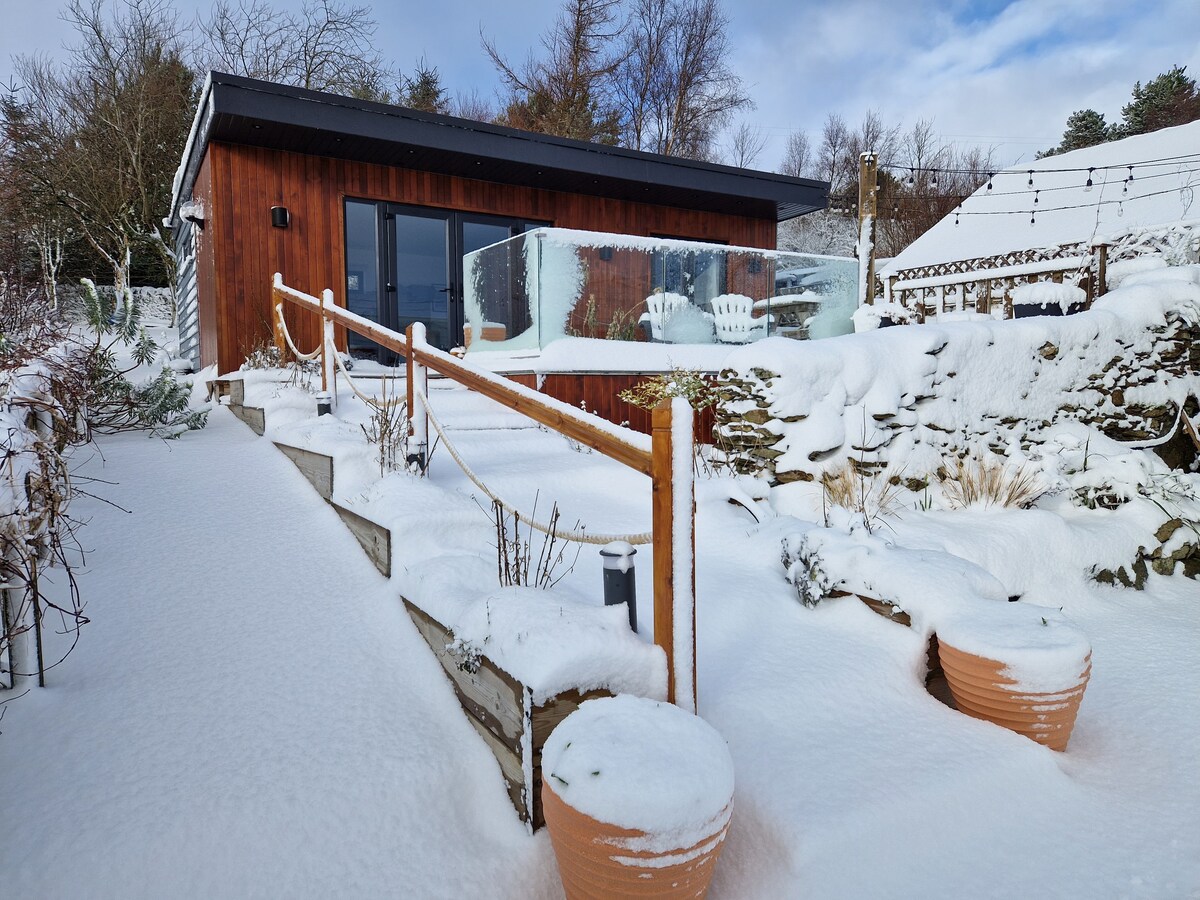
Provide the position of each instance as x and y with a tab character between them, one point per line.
673	494
984	284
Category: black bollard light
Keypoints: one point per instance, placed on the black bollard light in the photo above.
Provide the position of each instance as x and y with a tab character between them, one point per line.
619	586
324	404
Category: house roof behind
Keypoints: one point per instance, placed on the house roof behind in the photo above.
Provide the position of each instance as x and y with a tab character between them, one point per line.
1165	168
263	114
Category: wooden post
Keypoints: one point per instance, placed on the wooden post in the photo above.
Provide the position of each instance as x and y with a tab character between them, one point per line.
673	514
417	380
326	380
1101	287
867	196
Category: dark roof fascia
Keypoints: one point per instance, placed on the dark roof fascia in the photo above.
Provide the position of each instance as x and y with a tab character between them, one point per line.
246	110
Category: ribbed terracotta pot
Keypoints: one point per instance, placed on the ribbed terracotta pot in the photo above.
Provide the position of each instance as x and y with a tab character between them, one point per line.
595	860
982	690
637	796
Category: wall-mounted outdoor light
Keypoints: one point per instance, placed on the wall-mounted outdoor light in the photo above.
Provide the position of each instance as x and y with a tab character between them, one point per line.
192	211
279	216
606	253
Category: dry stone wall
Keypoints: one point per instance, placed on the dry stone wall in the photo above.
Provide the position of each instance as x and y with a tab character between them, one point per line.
908	400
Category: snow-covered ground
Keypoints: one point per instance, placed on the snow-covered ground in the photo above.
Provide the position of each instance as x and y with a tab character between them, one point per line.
251	713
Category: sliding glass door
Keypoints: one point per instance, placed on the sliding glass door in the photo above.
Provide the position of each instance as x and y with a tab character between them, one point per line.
404	265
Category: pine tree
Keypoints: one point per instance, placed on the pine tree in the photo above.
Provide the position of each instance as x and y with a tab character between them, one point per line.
1085	128
1169	99
424	91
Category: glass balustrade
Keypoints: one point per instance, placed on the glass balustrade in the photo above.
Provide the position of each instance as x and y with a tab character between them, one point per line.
551	283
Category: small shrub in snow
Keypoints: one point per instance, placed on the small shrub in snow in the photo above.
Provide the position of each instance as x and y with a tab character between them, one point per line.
803	569
865	494
515	564
387	429
114	403
690	384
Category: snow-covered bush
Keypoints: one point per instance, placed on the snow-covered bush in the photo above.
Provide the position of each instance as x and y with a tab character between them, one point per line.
158	403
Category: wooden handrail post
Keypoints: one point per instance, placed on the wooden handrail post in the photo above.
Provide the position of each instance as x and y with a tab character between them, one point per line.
673	508
277	325
417	379
328	376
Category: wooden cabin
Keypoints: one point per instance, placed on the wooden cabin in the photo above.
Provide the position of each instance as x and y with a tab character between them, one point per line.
380	203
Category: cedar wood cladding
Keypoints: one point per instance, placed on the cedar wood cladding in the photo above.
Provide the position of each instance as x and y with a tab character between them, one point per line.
239	251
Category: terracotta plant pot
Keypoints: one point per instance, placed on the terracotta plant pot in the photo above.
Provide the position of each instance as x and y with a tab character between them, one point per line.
594	862
981	689
637	798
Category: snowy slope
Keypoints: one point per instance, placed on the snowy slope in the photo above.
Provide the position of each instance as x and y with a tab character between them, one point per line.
251	712
251	716
1166	169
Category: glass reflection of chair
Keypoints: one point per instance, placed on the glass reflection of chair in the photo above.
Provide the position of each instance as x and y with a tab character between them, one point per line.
674	319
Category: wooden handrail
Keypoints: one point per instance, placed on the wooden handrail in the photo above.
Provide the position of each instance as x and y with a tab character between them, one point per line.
631	449
651	456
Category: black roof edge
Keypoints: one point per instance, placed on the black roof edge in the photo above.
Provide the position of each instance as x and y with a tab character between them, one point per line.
320	114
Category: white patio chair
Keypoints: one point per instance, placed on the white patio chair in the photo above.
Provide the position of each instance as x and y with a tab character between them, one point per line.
734	320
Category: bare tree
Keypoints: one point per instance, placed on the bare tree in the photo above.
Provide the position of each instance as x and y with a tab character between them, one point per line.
327	47
835	140
565	92
745	145
675	89
798	159
95	141
472	106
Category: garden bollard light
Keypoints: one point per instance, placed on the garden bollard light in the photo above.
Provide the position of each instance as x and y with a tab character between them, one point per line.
324	404
619	586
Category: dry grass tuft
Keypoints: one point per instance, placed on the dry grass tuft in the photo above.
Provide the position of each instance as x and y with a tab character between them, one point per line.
871	496
990	482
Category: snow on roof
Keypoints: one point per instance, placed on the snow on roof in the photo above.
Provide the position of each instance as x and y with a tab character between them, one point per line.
1165	168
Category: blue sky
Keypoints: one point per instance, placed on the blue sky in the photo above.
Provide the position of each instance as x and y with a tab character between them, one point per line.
994	73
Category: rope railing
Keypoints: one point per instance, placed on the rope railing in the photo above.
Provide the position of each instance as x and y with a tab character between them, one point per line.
287	337
666	457
373	402
579	537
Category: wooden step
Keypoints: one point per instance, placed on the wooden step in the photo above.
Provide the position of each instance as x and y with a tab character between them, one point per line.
316	467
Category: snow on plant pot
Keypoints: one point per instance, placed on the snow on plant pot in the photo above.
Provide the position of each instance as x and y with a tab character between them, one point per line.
637	796
1047	298
1020	666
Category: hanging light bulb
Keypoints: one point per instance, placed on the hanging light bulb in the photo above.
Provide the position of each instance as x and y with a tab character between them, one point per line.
933	181
1031	219
1125	187
1036	194
1088	186
956	219
1121	208
991	175
911	180
1130	173
1031	177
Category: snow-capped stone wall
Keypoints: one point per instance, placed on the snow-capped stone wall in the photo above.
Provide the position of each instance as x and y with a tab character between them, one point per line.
906	399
